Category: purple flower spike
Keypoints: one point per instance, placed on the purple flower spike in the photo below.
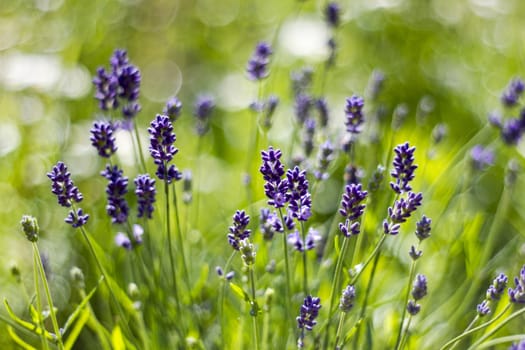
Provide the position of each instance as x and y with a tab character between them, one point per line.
423	228
204	106
403	208
483	308
76	219
404	168
106	86
352	209
413	308
312	237
62	185
419	289
512	93
122	240
496	289
145	191
517	294
103	138
272	170
238	231
162	149
300	203
173	108
332	14
117	207
308	313
257	67
481	157
354	114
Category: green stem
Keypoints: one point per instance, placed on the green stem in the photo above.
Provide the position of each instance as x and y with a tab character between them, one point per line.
221	299
43	339
473	330
286	267
138	147
254	309
372	255
170	249
405	301
471	324
405	334
498	327
52	313
339	329
305	262
180	242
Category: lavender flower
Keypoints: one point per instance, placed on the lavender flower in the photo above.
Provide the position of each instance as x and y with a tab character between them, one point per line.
352	209
173	109
299	200
122	240
517	294
308	313
324	158
76	219
513	92
30	227
419	288
309	242
347	299
413	308
269	224
322	108
496	289
415	254
511	131
481	157
302	106
146	192
238	231
332	14
257	65
483	308
518	346
247	252
106	85
401	211
272	170
162	149
354	114
269	108
423	228
117	207
204	106
404	168
103	138
62	185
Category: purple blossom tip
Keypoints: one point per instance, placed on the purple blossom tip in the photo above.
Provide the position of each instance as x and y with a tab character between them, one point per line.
103	138
481	157
238	231
354	114
62	185
257	67
404	168
146	192
308	313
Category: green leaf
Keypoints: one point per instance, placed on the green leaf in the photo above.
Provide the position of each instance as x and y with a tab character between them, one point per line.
27	325
83	317
117	340
240	292
18	340
80	308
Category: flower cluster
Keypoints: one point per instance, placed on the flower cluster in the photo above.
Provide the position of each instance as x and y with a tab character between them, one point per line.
308	313
269	223
67	193
145	191
494	293
120	86
481	157
511	129
354	114
332	14
257	67
404	168
162	149
272	170
308	243
103	138
347	299
123	240
203	108
30	227
238	231
173	109
402	210
513	92
352	209
419	290
517	294
117	207
299	199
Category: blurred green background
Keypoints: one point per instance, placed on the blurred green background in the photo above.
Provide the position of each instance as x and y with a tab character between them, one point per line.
446	61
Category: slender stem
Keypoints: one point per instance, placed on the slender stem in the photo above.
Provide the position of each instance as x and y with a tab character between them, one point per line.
254	310
498	327
43	339
52	313
180	242
221	300
372	255
335	286
471	324
481	326
405	301
170	248
286	267
339	329
305	262
138	147
197	191
405	334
